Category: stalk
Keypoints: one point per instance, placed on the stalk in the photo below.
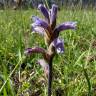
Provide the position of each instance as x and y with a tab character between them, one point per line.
50	77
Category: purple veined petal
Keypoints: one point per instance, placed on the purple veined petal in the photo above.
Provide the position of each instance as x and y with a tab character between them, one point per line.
35	50
65	26
59	45
53	16
44	11
39	22
41	30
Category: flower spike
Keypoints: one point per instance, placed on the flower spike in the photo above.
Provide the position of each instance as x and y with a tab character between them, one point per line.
50	31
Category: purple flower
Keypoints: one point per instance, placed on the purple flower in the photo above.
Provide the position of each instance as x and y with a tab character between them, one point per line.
49	30
56	46
49	24
59	45
65	26
39	22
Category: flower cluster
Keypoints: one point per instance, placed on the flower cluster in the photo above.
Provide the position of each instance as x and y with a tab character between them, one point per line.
50	31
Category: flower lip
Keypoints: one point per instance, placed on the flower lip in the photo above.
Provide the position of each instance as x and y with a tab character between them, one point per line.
59	45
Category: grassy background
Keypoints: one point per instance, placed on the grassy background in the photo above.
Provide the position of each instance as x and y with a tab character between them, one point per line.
74	71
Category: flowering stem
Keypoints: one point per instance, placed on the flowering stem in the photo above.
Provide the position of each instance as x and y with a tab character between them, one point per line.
50	77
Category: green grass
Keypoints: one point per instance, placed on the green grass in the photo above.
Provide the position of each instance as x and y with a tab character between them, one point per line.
74	71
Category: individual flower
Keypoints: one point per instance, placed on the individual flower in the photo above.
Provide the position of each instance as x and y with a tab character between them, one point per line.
59	45
30	51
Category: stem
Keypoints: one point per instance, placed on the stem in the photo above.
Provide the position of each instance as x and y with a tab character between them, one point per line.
50	77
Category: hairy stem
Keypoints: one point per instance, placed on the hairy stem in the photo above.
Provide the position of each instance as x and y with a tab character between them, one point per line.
50	77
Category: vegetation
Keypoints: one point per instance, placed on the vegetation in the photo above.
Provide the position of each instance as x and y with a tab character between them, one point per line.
73	72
